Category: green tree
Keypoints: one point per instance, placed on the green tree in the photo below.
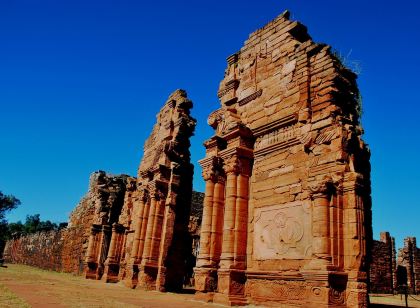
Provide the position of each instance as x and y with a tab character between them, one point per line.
7	203
32	223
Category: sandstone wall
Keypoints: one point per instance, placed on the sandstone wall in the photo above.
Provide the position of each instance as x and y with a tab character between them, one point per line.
65	250
287	209
409	258
43	250
383	267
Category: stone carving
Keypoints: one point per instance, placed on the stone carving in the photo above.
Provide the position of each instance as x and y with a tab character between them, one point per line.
299	218
279	234
282	233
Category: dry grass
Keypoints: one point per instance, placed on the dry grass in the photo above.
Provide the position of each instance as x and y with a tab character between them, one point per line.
10	299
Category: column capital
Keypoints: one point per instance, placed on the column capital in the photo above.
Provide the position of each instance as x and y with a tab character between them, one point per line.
352	181
209	173
320	189
232	165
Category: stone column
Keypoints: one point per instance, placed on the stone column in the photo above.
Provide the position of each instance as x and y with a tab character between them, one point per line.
112	263
149	230
149	268
136	243
89	253
144	224
321	226
205	273
91	264
354	239
241	220
203	258
217	220
157	228
227	257
113	243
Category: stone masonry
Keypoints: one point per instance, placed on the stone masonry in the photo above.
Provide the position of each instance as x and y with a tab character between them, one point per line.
409	259
383	266
145	243
287	207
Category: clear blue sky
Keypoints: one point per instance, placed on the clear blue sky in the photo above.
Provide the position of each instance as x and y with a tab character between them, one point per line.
81	82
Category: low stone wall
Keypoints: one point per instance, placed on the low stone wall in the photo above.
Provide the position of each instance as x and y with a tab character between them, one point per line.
43	250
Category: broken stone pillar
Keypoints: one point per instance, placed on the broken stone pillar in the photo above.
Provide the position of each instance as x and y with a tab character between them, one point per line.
106	192
156	244
409	260
287	208
382	272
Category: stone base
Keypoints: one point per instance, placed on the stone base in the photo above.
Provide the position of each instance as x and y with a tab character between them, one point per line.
93	271
229	300
148	276
231	288
132	276
204	296
308	289
205	279
111	272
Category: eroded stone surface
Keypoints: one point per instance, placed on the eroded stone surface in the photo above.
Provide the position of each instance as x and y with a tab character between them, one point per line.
148	243
408	263
287	208
383	266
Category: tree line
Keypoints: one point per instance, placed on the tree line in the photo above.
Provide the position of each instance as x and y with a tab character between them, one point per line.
32	224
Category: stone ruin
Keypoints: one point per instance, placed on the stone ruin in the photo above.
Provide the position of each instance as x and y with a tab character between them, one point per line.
142	238
382	272
408	261
390	271
287	207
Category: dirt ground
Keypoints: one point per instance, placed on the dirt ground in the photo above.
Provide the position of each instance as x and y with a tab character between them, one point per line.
24	286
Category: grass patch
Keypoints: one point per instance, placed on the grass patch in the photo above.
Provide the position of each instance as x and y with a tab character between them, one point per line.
10	299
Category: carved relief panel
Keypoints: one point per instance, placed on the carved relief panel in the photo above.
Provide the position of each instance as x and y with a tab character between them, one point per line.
283	232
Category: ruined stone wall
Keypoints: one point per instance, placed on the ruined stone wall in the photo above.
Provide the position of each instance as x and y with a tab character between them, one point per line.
42	249
65	250
383	268
152	252
409	259
287	208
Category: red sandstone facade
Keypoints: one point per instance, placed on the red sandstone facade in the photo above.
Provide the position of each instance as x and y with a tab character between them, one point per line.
287	208
145	243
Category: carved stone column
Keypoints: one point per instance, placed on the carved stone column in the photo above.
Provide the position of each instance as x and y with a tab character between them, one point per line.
241	219
321	197
354	239
91	264
217	220
231	275
149	230
231	169
203	259
157	228
111	265
205	273
149	268
144	225
136	243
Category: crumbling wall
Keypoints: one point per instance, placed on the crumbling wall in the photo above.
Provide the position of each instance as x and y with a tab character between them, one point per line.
42	249
382	268
409	258
104	198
